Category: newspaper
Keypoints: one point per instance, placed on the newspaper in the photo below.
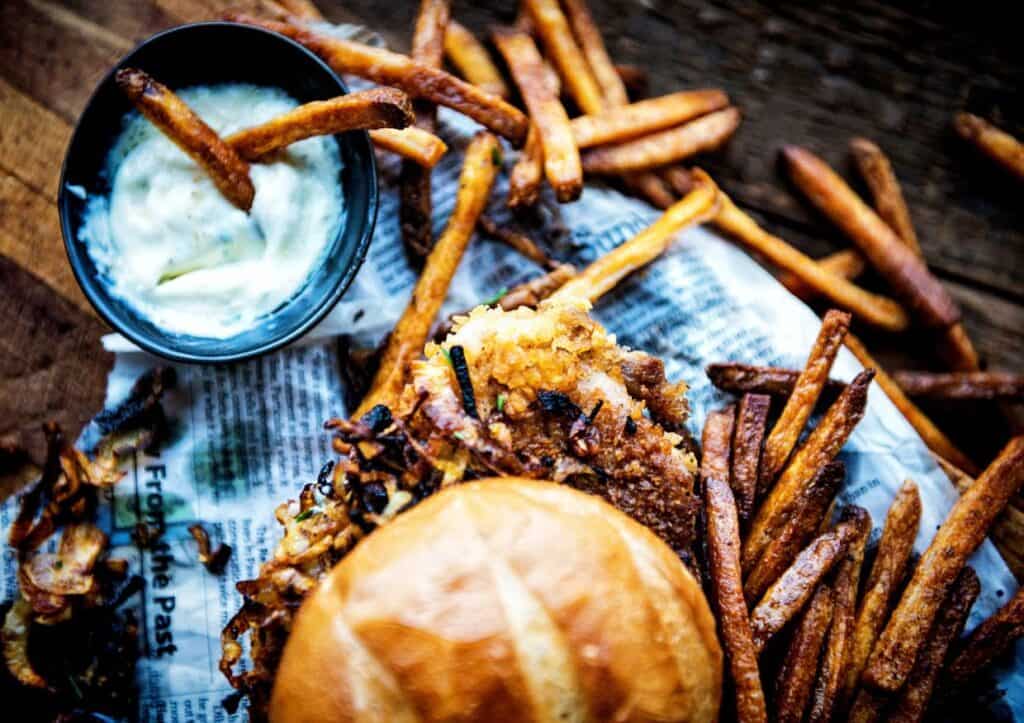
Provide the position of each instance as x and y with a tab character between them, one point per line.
247	436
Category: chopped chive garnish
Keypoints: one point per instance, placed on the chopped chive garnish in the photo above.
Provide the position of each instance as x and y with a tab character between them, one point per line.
497	297
447	354
459	436
500	403
496	156
306	514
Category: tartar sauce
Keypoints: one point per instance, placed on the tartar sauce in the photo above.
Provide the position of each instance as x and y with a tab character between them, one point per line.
179	253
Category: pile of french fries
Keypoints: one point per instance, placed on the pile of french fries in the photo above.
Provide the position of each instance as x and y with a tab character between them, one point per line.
805	639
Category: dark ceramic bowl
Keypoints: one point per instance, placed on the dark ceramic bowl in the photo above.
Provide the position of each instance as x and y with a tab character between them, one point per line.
204	54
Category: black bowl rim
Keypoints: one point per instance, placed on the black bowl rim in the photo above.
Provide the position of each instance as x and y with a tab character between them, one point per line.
316	313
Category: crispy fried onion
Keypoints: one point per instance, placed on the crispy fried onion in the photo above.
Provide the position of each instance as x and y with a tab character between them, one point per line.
15	639
69	571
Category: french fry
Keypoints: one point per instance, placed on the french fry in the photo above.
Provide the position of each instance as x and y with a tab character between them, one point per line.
751	420
415	200
410	333
400	71
998	145
962	385
412	143
796	676
471	59
868	706
835	658
678	179
648	185
898	264
521	243
787	595
613	90
527	173
553	29
872	308
664	147
561	157
820	447
723	547
799	530
365	110
876	170
964	529
887	573
774	381
532	292
912	702
988	641
848	263
957	350
931	435
173	118
804	397
626	122
607	271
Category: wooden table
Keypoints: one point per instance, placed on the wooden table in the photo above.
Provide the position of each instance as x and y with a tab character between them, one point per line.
815	74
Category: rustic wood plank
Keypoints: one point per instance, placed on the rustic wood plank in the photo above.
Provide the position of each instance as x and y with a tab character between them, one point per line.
51	362
54	59
30	237
32	141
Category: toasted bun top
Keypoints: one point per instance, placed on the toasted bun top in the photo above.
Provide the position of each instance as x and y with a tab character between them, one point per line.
504	600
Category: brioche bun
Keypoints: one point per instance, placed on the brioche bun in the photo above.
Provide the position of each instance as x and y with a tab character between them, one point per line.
504	600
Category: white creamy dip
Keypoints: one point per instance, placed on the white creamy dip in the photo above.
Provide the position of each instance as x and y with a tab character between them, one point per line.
178	252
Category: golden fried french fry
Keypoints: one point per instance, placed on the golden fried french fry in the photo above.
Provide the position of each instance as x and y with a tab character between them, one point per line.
626	122
410	333
912	702
962	385
648	185
723	547
802	527
367	109
898	264
556	36
820	447
877	172
806	390
787	595
607	271
561	157
872	308
796	676
400	71
957	350
751	421
412	143
521	243
774	381
471	59
170	114
931	435
415	199
964	529
678	179
887	574
835	658
524	180
848	263
588	36
988	641
868	706
998	145
532	292
664	147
